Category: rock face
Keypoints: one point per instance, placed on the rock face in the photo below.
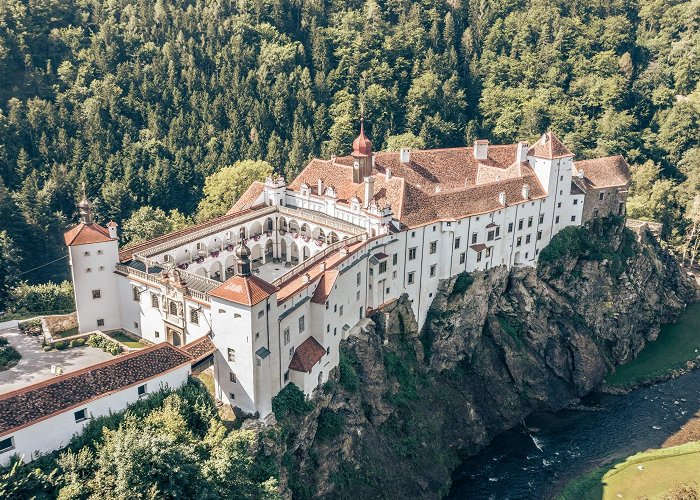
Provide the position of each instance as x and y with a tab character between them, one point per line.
497	346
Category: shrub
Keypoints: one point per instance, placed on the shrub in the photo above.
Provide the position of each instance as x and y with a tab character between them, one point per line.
100	342
4	341
60	345
31	327
79	342
44	298
47	348
330	424
462	283
348	376
290	401
8	356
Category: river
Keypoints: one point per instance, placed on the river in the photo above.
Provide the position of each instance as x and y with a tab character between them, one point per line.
568	443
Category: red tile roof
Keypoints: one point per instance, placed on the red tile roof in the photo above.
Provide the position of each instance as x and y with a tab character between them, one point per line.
245	290
84	234
248	198
438	184
200	348
550	147
40	401
603	172
324	287
307	355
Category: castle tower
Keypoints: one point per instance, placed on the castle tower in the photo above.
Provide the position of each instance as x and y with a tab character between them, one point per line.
362	156
93	251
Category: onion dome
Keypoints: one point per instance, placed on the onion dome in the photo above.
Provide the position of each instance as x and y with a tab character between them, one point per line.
362	145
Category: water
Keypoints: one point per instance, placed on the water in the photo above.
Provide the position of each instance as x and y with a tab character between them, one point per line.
562	445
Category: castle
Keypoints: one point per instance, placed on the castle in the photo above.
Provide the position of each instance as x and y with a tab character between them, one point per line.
294	268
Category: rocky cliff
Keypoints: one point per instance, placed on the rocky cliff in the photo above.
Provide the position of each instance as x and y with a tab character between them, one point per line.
405	405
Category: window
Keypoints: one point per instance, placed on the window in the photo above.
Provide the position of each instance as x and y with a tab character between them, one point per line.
488	252
382	267
96	294
411	253
231	354
498	231
141	390
491	235
328	350
527	239
80	415
359	279
357	295
291	351
510	227
529	221
327	305
86	254
541	219
388	291
286	336
432	270
462	257
575	201
601	195
457	242
371	271
7	444
100	322
434	227
519	241
561	192
335	331
395	259
411	277
556	220
173	307
136	325
157	334
573	218
341	311
539	235
194	316
559	205
154	300
135	294
286	376
520	224
478	256
99	252
413	234
232	377
393	275
335	308
527	254
88	270
231	396
261	313
595	212
101	268
433	246
474	236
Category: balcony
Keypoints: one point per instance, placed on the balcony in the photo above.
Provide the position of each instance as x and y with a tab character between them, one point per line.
174	320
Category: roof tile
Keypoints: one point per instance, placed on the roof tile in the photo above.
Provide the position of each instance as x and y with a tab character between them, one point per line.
307	355
245	290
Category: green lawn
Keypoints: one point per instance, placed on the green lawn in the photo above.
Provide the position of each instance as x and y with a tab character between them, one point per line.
127	341
676	344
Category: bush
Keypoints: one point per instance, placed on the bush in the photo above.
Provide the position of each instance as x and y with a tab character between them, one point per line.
60	345
31	327
47	348
348	376
106	345
290	401
78	342
462	283
8	355
4	341
45	298
330	424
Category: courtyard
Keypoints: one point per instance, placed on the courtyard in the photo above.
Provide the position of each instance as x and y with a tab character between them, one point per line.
35	365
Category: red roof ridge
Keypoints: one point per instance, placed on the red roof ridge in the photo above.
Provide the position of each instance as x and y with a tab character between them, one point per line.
84	234
245	290
307	355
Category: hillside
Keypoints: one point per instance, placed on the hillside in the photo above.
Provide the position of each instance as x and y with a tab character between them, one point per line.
143	100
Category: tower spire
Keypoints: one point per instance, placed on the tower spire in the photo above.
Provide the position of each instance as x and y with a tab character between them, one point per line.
242	257
85	208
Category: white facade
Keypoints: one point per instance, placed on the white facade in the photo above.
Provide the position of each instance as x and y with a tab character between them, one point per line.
362	255
53	433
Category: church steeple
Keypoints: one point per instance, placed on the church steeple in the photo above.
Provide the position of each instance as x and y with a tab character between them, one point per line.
242	257
85	209
362	154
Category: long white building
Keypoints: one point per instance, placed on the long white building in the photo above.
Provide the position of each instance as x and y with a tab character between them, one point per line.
293	268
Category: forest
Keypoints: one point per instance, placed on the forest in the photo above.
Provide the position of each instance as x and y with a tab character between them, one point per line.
144	100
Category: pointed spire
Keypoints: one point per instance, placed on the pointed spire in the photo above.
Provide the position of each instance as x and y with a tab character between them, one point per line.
85	208
243	257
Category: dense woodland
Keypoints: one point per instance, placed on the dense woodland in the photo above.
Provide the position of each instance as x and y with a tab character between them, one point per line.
143	100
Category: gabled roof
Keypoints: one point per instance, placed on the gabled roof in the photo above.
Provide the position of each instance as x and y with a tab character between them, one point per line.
248	198
84	234
324	287
604	172
307	355
40	401
549	147
245	290
200	348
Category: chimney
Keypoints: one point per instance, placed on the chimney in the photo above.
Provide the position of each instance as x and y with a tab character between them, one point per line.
502	198
580	174
526	191
481	149
369	191
322	266
112	228
374	161
388	173
305	278
405	155
320	187
523	148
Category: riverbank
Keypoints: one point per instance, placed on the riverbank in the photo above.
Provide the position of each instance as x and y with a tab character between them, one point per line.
676	351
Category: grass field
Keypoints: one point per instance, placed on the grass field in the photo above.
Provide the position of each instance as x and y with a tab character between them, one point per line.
120	337
676	344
